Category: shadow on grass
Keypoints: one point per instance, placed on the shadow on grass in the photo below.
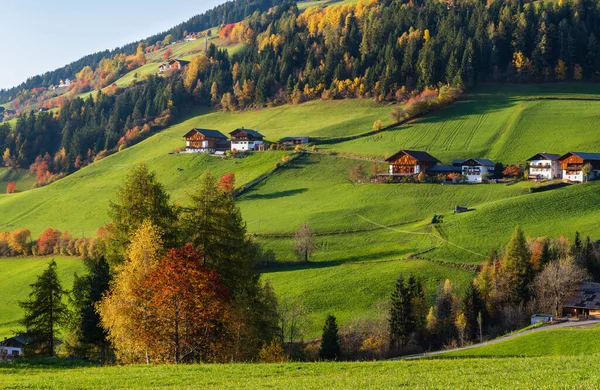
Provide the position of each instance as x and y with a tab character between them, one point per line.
51	363
276	195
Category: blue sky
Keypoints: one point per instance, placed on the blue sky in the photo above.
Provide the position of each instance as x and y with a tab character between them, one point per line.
42	35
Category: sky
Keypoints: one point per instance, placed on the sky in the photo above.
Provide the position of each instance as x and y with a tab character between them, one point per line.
42	35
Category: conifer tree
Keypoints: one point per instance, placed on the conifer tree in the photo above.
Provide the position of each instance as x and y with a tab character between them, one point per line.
330	341
45	312
517	267
473	306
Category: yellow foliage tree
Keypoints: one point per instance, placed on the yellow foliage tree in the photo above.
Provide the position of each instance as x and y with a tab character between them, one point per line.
560	71
197	65
378	125
121	313
19	240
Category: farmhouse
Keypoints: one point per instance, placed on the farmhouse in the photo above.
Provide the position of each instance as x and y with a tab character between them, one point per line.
245	139
573	164
11	348
173	65
293	141
583	300
410	162
191	37
544	166
476	170
205	141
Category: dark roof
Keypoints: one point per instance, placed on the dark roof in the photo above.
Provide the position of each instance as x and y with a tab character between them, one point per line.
206	133
482	161
583	155
14	342
253	133
545	156
441	168
182	62
585	296
417	155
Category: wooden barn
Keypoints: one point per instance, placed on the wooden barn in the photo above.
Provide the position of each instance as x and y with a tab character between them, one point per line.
573	163
583	300
204	141
410	162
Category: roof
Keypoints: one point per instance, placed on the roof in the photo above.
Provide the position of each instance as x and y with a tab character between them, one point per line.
14	342
583	155
284	139
545	156
417	155
442	168
207	133
253	133
585	296
482	161
182	62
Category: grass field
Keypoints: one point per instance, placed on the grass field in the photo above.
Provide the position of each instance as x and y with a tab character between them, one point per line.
367	226
23	179
501	373
17	274
553	342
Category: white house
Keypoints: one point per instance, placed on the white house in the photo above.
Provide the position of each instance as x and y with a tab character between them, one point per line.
245	139
573	165
11	348
476	170
190	37
544	166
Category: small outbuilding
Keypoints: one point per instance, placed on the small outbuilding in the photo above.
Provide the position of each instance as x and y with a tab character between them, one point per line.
537	318
11	348
293	141
583	300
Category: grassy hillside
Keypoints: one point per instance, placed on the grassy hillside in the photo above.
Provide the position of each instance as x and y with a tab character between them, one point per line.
503	373
553	342
21	177
17	274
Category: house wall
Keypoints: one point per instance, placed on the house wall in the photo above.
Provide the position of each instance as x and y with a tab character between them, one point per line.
474	174
405	165
11	351
545	169
245	145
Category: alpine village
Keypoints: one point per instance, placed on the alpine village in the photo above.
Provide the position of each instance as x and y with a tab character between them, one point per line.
312	194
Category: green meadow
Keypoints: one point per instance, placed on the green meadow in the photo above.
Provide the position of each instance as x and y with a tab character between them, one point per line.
565	372
17	274
365	232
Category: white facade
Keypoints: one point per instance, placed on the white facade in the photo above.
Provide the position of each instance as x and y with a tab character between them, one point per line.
577	176
545	169
476	173
7	352
242	146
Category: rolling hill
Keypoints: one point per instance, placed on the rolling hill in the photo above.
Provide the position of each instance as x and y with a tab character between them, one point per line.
365	232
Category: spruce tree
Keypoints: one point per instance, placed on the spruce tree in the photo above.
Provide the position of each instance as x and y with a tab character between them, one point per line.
517	267
330	342
45	311
400	308
473	306
87	291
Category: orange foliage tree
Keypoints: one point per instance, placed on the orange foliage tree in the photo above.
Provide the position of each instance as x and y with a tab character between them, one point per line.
47	241
513	171
19	240
188	311
11	187
227	183
167	54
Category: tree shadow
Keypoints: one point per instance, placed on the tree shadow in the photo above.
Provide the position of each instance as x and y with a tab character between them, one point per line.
276	195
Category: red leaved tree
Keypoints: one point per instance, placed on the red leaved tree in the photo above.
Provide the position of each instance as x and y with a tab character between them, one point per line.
167	54
47	241
42	172
513	171
11	187
227	183
188	312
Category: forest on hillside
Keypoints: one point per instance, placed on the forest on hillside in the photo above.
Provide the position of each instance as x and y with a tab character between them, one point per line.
387	50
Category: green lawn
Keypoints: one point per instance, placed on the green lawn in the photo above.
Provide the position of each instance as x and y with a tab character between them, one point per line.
17	274
22	178
502	373
552	342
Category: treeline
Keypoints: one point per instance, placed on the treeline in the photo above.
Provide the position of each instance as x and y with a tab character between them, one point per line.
229	12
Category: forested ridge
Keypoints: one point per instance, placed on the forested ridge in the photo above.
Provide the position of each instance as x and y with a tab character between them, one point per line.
381	49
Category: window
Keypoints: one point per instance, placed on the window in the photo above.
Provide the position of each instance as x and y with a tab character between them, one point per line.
15	352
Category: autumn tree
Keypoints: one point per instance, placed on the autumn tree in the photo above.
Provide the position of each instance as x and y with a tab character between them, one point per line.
199	64
140	198
19	240
357	173
47	241
445	313
123	310
188	310
304	242
11	188
330	340
167	54
45	313
227	183
587	170
378	125
555	281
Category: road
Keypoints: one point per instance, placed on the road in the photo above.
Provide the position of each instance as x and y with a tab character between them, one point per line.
501	339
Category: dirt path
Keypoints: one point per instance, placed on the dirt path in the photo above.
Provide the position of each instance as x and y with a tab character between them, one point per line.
586	324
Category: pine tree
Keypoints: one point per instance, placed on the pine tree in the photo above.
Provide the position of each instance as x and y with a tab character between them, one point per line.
473	306
517	268
400	308
87	292
330	341
45	311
